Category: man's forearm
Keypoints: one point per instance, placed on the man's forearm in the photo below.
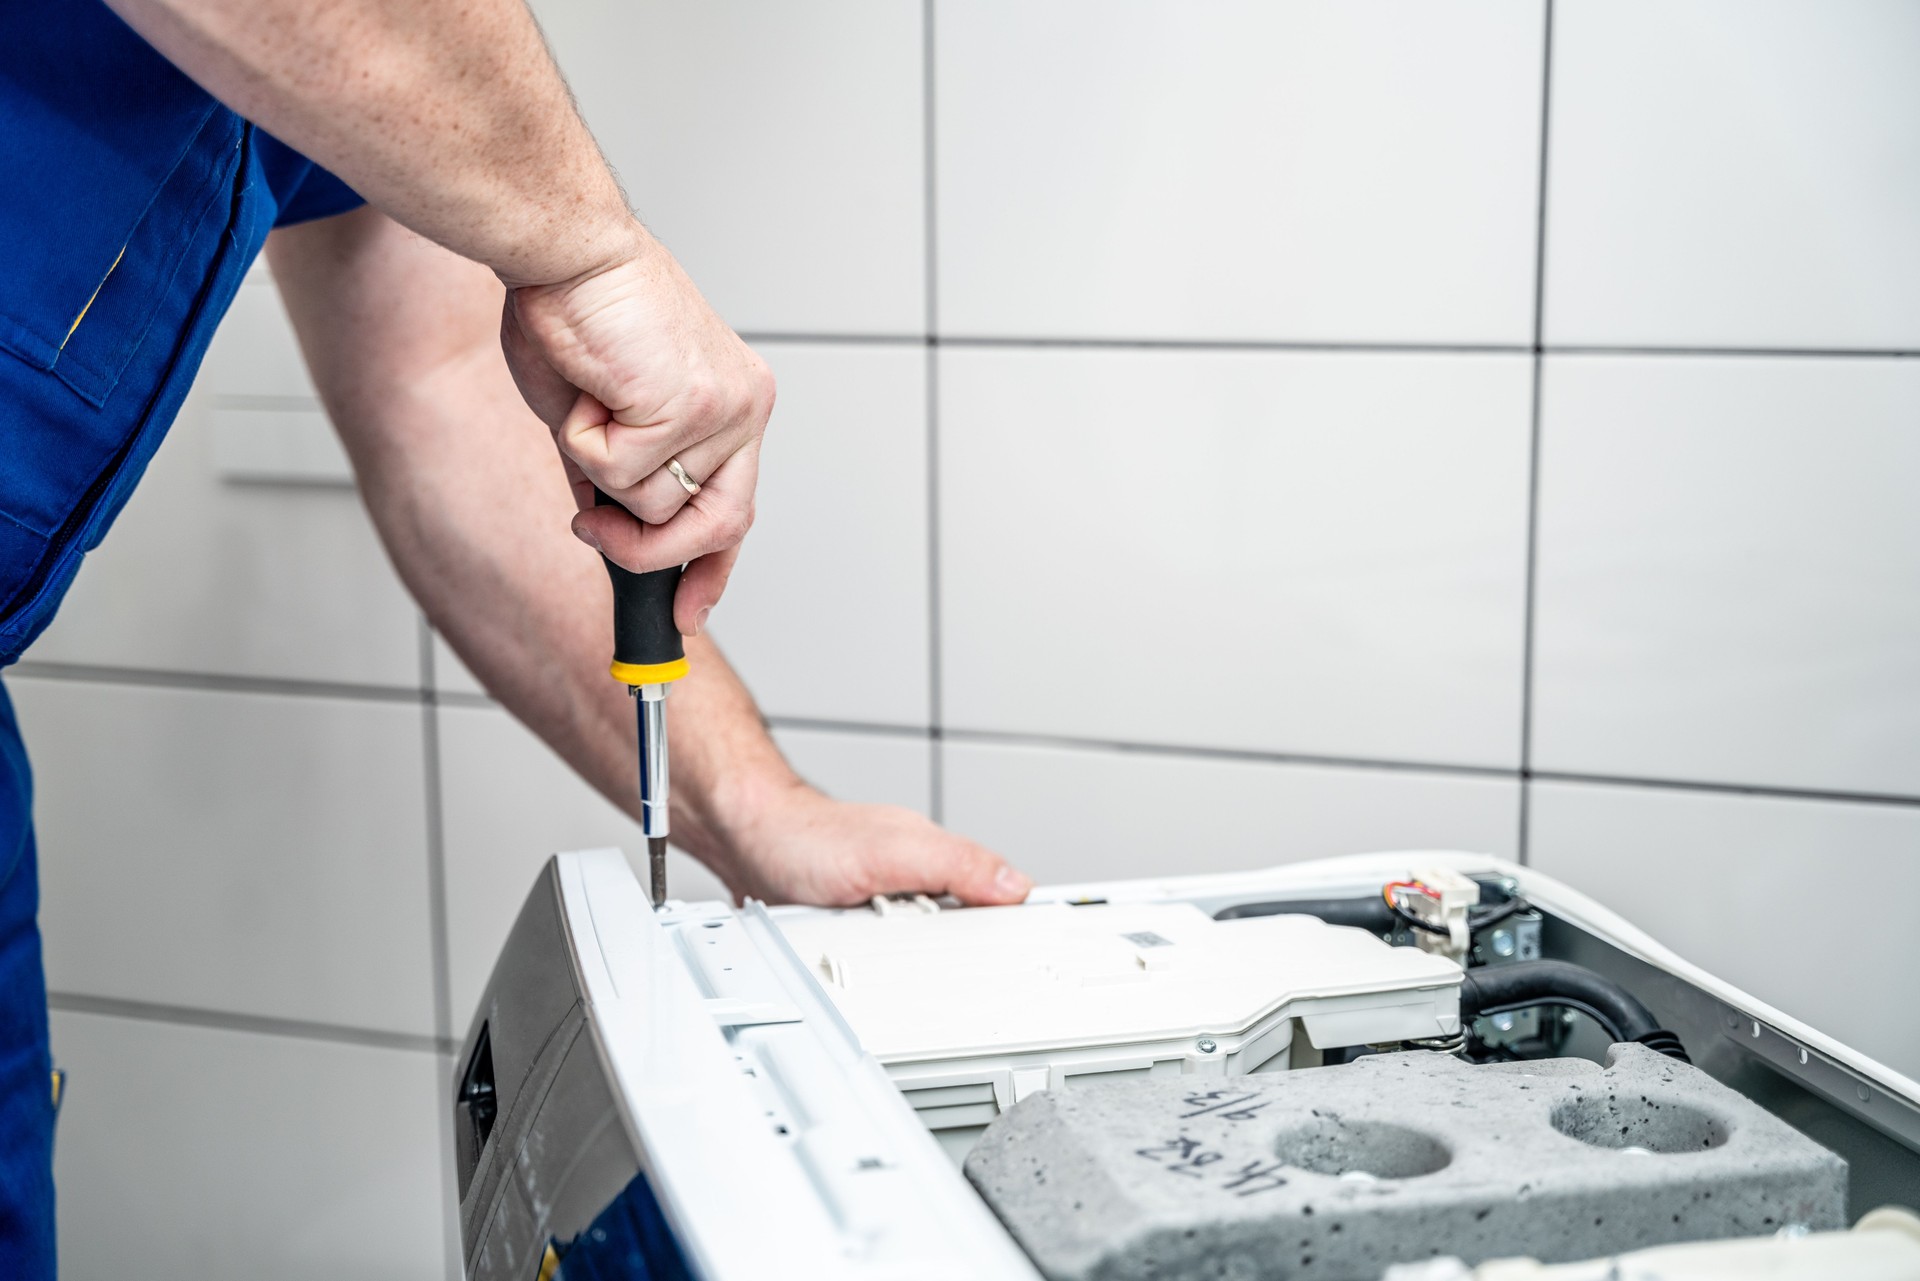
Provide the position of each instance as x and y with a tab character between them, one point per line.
469	497
448	114
471	503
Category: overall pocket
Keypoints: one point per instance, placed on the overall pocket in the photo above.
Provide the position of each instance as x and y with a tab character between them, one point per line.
110	329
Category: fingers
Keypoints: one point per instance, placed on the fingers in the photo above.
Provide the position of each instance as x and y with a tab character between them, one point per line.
715	520
905	853
660	496
616	456
980	878
700	589
702	427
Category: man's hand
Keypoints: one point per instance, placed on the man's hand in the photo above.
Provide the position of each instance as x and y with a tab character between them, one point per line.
402	338
450	116
808	848
630	368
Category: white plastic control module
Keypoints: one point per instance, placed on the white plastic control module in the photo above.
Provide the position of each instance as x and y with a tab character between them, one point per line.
972	1010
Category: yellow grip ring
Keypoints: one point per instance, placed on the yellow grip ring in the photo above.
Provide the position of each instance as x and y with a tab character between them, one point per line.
648	673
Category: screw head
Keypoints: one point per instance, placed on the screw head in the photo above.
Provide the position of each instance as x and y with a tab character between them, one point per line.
1206	1045
1504	944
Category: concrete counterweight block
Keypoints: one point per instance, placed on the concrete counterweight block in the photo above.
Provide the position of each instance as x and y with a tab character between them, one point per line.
1338	1172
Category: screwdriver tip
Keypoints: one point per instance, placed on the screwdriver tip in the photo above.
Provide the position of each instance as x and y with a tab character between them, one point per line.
657	864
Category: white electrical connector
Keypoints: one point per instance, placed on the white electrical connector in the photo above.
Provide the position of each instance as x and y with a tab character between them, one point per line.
1450	898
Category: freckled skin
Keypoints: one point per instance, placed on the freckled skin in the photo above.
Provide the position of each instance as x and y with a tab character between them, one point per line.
450	117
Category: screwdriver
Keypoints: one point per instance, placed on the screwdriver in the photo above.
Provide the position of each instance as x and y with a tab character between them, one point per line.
647	657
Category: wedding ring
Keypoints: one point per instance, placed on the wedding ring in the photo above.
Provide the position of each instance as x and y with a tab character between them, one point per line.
679	473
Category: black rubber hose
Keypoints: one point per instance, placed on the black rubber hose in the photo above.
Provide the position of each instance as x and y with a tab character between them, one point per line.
1370	913
1361	913
1519	985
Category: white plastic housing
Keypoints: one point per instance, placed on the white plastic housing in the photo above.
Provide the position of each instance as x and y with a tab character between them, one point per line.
970	1011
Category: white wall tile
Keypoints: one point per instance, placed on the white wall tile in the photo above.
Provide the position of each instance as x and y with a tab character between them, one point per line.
776	149
279	446
1066	814
1729	553
254	853
1734	173
254	352
231	1156
450	675
1238	169
203	574
510	803
882	769
826	614
1320	553
1766	893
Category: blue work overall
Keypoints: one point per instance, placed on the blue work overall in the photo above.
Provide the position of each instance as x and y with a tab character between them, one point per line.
131	205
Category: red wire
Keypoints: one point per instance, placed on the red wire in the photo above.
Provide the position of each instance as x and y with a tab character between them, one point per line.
1419	887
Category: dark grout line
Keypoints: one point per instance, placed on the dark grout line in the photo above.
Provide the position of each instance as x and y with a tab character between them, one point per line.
1249	756
870	729
221	1020
939	733
1034	343
89	673
1703	787
1739	353
439	930
1532	584
936	774
1230	345
756	337
153	678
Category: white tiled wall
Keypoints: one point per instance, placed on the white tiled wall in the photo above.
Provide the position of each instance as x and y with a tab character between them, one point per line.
1729	571
188	1151
827	617
777	149
1079	813
1734	173
1238	169
1306	552
1182	462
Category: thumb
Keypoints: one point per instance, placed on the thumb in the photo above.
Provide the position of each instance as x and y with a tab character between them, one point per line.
977	876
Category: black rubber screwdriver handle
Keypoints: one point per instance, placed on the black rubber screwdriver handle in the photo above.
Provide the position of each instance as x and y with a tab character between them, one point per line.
647	649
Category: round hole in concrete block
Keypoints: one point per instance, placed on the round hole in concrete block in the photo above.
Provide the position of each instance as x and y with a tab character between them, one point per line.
1632	1122
1330	1145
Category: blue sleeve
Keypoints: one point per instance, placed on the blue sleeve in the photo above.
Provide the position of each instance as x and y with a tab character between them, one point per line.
303	190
